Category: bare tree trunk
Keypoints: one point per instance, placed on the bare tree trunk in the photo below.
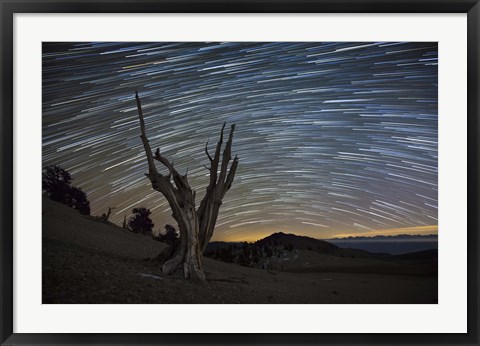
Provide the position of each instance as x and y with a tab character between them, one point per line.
195	226
106	216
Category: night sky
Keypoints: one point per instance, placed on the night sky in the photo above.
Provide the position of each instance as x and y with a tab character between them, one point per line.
334	139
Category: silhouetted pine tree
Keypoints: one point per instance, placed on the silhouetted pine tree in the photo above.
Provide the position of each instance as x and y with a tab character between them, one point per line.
140	222
77	199
56	183
56	186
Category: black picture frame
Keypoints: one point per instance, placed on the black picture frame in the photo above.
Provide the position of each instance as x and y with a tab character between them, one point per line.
10	7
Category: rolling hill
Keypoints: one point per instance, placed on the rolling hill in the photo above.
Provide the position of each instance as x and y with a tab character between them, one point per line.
86	261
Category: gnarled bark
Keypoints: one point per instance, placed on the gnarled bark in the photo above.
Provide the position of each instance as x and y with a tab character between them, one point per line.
196	227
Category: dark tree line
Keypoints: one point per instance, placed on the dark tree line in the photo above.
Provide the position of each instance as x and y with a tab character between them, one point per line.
246	254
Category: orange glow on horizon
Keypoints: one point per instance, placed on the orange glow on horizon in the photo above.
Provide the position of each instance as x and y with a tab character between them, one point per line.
254	235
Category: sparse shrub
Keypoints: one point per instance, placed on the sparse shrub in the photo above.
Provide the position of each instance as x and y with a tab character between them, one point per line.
106	216
170	235
140	222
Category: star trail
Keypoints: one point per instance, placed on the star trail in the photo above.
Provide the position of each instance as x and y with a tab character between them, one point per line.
333	137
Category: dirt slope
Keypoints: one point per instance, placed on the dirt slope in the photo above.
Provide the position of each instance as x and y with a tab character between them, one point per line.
85	261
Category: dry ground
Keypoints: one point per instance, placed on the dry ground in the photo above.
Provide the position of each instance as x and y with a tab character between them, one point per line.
85	261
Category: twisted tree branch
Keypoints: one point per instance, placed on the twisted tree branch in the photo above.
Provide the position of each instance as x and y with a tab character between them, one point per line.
206	152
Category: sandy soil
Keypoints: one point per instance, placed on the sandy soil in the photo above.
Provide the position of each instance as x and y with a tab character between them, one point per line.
85	261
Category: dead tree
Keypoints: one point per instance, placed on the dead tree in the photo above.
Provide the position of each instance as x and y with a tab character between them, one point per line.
195	226
106	216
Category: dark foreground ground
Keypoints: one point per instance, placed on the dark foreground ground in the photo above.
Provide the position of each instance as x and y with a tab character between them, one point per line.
86	261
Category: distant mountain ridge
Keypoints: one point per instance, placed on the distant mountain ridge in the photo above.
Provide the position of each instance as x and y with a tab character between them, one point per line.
389	237
298	242
379	247
395	244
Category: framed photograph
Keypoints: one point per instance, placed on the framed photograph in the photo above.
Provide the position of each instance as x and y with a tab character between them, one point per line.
239	173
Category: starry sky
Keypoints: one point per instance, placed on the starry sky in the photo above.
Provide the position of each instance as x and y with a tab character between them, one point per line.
334	138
